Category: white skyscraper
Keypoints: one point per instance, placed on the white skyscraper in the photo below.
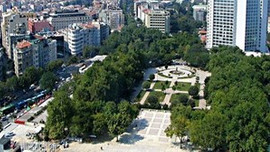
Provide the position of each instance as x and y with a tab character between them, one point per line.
241	23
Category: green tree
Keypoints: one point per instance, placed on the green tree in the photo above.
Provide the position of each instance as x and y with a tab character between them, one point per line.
2	89
146	85
12	83
118	124
166	67
59	115
178	127
152	101
48	80
163	87
193	91
54	65
182	99
99	124
72	60
210	132
151	77
197	56
82	93
109	109
31	75
90	51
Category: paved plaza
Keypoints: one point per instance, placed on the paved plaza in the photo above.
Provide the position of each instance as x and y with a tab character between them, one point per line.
146	134
151	125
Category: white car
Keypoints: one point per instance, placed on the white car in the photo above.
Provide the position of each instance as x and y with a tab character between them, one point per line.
10	134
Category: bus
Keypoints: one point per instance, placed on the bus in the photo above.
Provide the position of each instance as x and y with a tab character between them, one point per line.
7	109
38	99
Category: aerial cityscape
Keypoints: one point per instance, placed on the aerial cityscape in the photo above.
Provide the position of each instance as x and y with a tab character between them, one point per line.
134	75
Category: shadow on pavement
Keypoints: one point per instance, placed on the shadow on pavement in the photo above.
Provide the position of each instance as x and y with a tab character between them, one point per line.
137	125
130	138
99	139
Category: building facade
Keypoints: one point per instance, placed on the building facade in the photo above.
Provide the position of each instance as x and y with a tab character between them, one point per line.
158	19
113	17
199	12
13	23
23	57
235	23
77	36
37	52
1	65
268	28
62	19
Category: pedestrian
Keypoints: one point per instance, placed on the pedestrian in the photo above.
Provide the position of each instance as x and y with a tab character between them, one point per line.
101	148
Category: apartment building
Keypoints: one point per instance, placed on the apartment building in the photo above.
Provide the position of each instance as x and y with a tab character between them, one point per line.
158	19
1	65
37	52
13	23
113	17
77	36
237	23
62	19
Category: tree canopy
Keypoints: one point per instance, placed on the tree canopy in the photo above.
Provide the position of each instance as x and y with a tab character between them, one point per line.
238	94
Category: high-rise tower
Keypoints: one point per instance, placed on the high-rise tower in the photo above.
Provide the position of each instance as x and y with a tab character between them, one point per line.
241	23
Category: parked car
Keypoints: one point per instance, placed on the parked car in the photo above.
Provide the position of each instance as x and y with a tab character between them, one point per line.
9	135
3	119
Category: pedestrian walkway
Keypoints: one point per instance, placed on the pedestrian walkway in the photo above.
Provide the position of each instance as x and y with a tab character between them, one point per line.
147	135
170	74
147	93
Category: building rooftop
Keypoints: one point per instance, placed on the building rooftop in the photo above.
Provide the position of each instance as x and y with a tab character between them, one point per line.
88	25
23	44
67	13
202	32
200	7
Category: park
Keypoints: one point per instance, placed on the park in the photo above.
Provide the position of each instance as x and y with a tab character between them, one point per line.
169	83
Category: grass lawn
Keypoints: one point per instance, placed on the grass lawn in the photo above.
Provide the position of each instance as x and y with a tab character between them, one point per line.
161	74
140	95
196	102
158	84
159	95
175	96
183	86
198	85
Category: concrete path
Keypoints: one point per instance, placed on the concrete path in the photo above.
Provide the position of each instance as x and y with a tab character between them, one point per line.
202	101
167	99
169	91
202	76
147	93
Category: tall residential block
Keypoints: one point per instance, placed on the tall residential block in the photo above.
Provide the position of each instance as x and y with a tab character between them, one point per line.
13	23
36	51
237	23
77	36
113	17
158	19
1	65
